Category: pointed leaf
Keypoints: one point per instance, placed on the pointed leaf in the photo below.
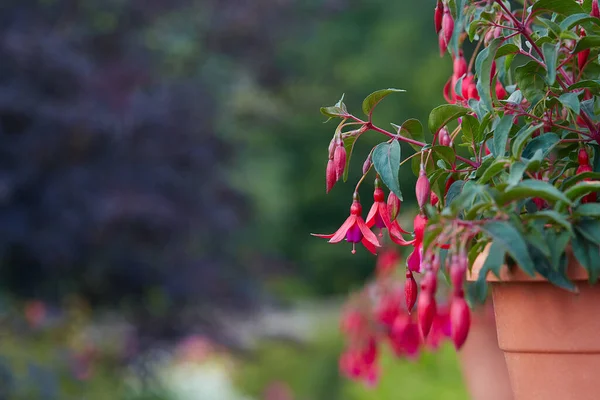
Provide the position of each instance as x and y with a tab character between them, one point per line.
518	142
511	242
530	79
386	160
501	135
483	69
550	51
564	7
544	142
412	129
581	189
374	98
441	115
533	188
571	101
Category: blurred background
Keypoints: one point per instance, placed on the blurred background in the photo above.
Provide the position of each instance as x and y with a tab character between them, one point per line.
161	168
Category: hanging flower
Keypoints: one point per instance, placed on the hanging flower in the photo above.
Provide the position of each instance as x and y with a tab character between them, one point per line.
355	230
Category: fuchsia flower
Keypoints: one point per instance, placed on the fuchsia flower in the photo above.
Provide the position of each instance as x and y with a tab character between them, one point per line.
414	259
355	230
379	215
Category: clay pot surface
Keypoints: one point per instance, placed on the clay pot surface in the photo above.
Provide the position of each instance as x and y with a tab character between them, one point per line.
550	337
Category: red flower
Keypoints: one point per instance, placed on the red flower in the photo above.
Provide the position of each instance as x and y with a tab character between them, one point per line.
379	216
414	259
355	230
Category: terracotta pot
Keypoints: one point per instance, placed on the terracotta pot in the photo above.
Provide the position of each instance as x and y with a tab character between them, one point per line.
482	361
550	337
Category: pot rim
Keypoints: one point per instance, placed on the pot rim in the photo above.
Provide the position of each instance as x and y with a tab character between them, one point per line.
575	271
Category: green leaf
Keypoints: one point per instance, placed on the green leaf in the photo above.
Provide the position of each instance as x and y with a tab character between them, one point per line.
557	243
569	182
570	100
511	242
593	85
586	254
483	69
521	137
470	128
533	188
590	228
412	129
577	19
507	49
501	135
553	216
564	7
588	210
337	110
453	191
349	146
442	115
543	267
530	79
550	51
498	165
386	160
374	98
465	199
446	153
544	142
553	26
581	189
516	97
516	173
495	260
587	42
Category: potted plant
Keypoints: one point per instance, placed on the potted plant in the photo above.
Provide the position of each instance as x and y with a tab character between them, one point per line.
506	185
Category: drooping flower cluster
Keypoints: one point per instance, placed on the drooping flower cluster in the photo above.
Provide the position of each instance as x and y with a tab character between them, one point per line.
500	165
379	316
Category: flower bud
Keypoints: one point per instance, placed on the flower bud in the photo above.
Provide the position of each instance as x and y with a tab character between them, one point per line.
493	70
366	165
460	65
423	189
595	10
410	291
437	16
444	137
434	199
330	175
583	157
339	159
429	283
447	25
442	43
393	204
457	274
500	91
460	320
426	309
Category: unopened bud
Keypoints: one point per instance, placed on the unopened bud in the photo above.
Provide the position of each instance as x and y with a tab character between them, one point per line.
460	65
423	189
460	320
434	199
444	137
447	25
583	157
339	160
442	43
500	91
330	175
393	205
410	291
437	16
366	165
595	10
426	309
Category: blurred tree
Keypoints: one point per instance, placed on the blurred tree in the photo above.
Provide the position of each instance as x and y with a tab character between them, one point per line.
112	179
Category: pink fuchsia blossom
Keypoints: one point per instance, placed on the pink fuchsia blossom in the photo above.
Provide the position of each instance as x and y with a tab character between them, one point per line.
354	230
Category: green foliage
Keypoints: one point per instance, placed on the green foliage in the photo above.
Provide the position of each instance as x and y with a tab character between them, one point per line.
386	160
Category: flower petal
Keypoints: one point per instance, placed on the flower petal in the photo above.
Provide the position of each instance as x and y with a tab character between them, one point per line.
367	233
320	235
369	246
371	216
414	260
340	234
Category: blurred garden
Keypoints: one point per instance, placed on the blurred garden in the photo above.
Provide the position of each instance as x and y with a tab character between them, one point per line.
161	170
